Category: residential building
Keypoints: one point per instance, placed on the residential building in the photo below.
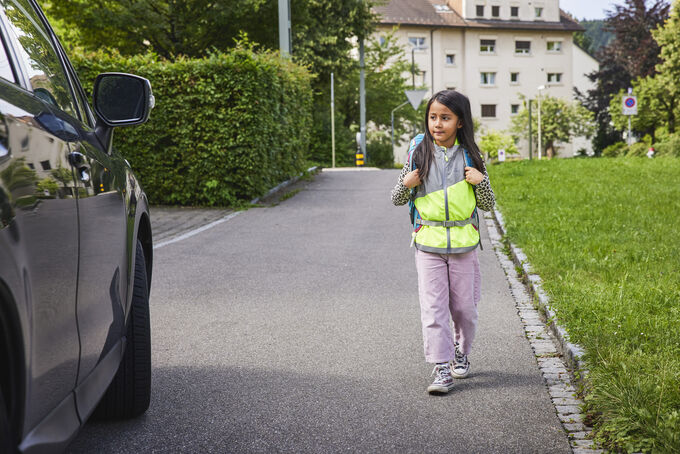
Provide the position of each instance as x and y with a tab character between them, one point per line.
493	51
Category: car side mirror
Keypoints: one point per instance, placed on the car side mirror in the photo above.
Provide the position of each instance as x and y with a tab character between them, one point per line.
122	99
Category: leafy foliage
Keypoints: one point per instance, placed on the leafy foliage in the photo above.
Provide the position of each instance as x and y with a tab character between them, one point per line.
493	140
192	28
631	53
385	64
594	37
560	121
225	128
658	94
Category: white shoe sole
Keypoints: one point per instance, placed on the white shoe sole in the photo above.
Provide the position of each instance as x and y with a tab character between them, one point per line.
439	389
455	374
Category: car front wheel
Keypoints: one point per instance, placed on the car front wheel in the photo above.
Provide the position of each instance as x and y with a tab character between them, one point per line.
129	393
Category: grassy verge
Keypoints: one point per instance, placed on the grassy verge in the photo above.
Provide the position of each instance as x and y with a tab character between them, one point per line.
604	235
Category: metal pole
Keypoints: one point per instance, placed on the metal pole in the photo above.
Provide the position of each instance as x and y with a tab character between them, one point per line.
332	120
530	138
539	126
284	27
629	136
362	99
413	67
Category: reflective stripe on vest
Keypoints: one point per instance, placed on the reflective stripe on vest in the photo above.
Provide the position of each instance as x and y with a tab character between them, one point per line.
446	203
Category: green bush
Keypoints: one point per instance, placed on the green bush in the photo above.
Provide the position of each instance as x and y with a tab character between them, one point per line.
637	149
380	154
224	130
670	146
613	150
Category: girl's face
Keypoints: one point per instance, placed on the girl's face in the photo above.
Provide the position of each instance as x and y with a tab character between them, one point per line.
443	124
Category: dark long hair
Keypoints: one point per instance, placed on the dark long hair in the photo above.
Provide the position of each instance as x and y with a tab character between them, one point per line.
459	104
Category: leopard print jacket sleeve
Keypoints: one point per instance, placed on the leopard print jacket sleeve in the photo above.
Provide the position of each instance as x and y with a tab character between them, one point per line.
483	191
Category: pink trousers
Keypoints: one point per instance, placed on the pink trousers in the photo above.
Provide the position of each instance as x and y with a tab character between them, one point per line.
449	287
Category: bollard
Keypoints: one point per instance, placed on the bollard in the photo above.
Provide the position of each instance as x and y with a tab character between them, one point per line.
359	158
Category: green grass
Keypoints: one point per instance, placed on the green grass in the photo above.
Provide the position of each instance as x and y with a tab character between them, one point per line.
604	235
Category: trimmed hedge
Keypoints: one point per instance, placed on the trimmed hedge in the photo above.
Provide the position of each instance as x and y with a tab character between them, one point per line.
225	128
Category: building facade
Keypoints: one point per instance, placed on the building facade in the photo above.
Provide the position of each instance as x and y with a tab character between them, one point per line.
493	51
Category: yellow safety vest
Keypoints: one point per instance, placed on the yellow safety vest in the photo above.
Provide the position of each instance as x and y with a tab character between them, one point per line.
446	204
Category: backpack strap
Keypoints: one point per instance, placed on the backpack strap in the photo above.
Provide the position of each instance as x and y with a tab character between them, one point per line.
469	163
413	213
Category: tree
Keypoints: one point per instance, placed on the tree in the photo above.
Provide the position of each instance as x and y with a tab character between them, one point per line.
493	140
668	77
658	95
320	32
386	63
657	107
560	121
632	53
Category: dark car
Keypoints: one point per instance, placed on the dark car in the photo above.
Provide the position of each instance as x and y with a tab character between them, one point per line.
75	243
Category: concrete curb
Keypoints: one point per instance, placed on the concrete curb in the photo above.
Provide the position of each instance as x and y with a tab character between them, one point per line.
286	183
573	353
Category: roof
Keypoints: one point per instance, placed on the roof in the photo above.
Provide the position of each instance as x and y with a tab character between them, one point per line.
423	13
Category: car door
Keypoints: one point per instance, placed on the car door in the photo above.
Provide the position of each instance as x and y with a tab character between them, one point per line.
101	181
104	273
42	234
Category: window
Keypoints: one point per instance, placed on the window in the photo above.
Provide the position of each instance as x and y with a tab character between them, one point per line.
495	11
554	46
45	165
522	47
480	10
487	78
382	40
514	109
514	11
450	59
418	42
45	71
487	46
514	78
539	12
554	78
488	110
442	9
5	66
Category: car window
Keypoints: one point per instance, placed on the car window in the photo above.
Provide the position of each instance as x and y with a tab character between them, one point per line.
45	71
5	66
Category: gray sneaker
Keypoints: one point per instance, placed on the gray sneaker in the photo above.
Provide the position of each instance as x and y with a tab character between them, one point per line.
460	366
443	382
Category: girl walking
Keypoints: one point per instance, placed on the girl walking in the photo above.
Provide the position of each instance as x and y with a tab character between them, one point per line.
446	180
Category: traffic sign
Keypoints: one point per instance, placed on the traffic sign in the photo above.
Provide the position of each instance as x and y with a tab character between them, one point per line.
501	155
415	97
630	106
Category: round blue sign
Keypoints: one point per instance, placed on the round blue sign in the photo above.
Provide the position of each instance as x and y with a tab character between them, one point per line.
630	102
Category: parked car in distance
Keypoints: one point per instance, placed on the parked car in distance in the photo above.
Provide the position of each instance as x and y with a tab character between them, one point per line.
75	243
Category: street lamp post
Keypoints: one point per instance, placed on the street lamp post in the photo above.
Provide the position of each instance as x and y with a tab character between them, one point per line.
540	150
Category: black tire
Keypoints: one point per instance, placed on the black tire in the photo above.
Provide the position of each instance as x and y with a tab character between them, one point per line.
129	393
5	432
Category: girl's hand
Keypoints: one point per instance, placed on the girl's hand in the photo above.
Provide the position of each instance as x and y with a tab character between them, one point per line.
412	179
473	176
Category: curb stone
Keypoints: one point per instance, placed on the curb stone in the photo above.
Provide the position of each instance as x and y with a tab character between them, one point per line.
555	354
286	183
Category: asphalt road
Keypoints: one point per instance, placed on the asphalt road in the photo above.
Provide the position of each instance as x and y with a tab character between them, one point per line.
295	328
